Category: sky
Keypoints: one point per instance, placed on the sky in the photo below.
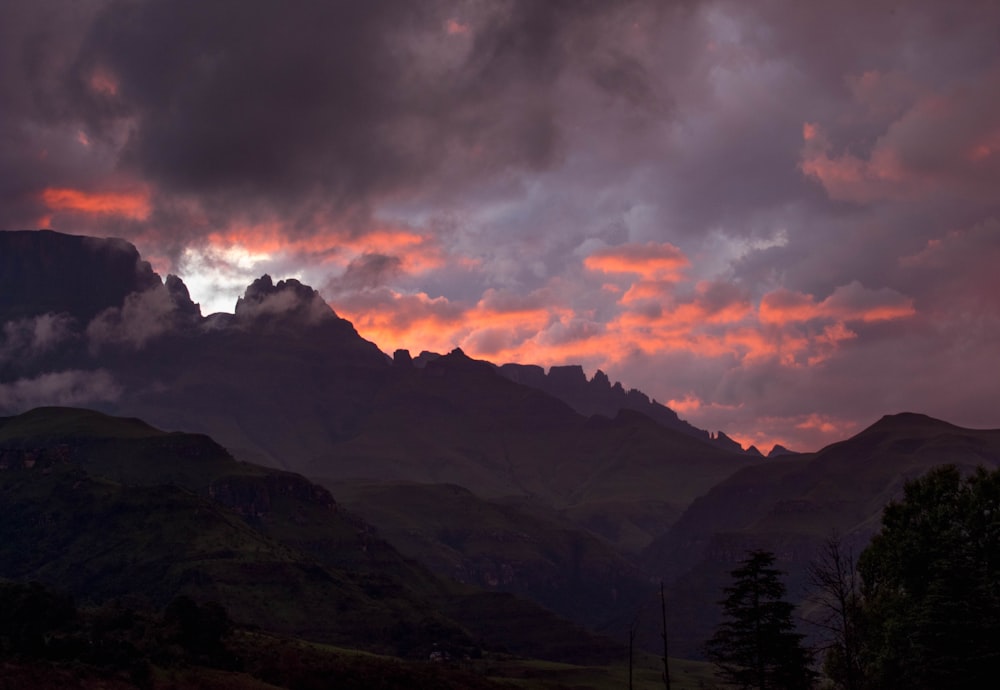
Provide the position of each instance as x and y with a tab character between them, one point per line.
779	218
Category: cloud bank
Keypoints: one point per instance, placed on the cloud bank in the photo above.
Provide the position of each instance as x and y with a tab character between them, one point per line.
782	216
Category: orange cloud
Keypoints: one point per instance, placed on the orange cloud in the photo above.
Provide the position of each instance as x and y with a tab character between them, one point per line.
133	204
985	148
453	27
827	425
849	178
651	260
497	327
784	306
689	403
934	144
104	83
418	253
851	302
718	320
396	320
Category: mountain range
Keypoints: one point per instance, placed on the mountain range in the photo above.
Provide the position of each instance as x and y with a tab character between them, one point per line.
413	489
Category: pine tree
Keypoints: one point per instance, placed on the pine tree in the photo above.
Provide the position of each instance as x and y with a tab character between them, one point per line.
756	645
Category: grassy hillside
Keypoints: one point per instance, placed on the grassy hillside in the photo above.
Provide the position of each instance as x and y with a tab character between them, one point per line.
47	642
459	422
500	547
106	508
792	506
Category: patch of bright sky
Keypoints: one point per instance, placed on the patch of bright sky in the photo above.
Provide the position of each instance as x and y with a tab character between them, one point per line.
721	250
216	277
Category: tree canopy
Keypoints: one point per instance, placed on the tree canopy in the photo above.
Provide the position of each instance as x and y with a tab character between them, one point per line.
930	585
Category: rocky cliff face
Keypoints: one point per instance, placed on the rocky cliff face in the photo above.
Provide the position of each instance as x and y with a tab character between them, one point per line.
47	272
599	396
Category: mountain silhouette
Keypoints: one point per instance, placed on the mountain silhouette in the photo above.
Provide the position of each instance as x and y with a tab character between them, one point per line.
107	507
284	382
43	272
792	505
287	383
574	492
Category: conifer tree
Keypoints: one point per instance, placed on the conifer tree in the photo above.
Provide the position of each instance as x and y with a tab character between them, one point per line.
756	645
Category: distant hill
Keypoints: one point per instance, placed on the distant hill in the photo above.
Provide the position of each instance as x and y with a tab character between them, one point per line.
108	508
285	382
791	506
498	546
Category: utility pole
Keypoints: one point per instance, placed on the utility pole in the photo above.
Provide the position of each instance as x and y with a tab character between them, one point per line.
663	618
632	628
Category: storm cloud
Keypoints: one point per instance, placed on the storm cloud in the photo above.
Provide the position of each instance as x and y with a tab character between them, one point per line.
780	216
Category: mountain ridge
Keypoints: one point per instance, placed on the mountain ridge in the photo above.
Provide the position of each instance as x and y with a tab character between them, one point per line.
329	403
285	382
168	513
38	259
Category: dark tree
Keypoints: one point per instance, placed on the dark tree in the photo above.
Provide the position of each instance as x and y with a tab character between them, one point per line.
837	599
198	628
28	614
756	645
931	585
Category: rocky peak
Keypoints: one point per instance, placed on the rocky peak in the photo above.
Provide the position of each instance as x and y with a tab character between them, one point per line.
181	298
568	377
286	300
601	381
724	441
458	361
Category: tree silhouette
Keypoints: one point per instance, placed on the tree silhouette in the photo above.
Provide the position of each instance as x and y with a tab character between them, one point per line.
756	645
837	598
931	585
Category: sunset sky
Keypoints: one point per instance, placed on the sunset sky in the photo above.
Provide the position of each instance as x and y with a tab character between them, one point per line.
780	218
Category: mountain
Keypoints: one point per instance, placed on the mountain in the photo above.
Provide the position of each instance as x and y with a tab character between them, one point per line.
109	508
508	478
286	383
494	545
457	421
44	272
792	505
597	396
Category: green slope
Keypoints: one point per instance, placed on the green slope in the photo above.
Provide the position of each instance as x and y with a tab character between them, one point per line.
106	507
500	547
459	422
791	506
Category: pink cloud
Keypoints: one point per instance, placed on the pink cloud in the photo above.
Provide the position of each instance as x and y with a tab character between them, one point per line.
937	144
653	261
851	302
132	204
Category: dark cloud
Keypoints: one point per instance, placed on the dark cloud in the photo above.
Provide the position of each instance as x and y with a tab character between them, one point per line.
841	155
367	271
330	105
